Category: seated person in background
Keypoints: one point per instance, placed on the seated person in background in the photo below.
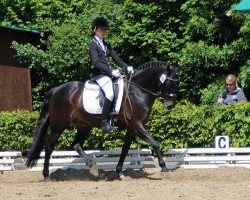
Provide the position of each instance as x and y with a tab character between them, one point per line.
232	94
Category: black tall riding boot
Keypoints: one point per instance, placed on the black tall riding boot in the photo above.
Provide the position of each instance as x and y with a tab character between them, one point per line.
105	126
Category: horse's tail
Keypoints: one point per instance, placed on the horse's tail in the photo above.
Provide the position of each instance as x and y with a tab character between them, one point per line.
40	132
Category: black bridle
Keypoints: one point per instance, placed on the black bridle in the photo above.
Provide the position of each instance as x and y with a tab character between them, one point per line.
171	95
157	64
128	115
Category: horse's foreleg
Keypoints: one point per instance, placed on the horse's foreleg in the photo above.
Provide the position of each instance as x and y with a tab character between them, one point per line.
142	133
128	140
49	148
90	162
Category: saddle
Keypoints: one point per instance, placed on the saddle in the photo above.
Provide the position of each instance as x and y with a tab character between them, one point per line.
93	97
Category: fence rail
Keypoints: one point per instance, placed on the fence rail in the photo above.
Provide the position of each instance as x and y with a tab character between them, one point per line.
105	159
193	158
8	159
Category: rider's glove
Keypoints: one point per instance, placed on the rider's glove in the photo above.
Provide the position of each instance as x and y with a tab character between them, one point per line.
130	69
116	73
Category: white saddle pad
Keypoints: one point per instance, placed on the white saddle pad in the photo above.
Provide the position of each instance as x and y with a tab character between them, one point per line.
91	95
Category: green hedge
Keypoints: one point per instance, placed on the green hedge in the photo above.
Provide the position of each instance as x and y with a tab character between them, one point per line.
16	129
187	125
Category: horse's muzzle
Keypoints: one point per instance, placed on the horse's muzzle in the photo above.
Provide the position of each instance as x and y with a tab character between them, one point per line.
170	101
169	104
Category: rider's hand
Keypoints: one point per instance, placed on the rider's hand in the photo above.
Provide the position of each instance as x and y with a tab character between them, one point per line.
116	73
130	69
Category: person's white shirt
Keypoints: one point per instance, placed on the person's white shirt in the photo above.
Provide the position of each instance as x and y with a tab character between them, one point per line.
100	41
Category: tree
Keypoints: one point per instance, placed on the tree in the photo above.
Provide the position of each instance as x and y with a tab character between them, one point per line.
216	44
66	56
198	36
201	37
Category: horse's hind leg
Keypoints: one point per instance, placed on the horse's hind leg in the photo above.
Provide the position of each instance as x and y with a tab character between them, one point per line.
78	142
90	162
49	148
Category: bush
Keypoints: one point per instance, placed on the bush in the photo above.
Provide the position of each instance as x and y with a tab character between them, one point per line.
187	125
210	94
16	129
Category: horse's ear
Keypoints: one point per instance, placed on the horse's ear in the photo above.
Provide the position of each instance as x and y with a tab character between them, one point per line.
177	75
169	70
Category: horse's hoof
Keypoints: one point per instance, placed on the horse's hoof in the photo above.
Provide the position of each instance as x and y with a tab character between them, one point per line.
94	170
164	169
46	179
121	176
169	170
166	173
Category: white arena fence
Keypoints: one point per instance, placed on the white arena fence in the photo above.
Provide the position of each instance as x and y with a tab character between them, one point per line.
189	158
9	160
105	159
196	158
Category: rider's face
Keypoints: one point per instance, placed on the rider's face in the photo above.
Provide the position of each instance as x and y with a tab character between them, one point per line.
100	32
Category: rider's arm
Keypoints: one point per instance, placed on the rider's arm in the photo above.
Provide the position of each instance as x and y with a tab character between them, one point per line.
117	59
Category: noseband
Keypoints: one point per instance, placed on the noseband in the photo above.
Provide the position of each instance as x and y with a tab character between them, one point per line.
171	95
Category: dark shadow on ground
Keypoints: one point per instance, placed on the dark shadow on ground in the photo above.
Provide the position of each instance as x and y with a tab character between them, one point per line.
111	175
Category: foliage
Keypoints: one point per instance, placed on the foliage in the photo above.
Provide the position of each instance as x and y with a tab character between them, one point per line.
216	44
150	29
204	38
38	14
63	54
244	79
210	94
16	128
187	125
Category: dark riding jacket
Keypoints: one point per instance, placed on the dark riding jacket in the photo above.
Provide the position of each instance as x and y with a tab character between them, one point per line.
100	58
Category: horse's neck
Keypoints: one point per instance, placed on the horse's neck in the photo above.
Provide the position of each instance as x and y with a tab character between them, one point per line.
147	77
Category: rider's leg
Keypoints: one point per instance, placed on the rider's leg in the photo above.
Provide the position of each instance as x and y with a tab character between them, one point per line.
105	126
106	84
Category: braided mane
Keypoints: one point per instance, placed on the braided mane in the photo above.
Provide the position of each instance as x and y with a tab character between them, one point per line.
154	64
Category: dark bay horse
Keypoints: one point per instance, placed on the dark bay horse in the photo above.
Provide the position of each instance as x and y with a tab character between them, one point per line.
63	107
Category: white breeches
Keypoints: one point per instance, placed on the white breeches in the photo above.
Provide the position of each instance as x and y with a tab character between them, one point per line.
107	86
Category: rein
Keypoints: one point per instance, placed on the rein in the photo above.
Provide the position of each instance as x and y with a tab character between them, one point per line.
146	90
129	82
129	101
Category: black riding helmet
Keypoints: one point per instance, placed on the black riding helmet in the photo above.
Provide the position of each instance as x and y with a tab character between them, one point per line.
100	22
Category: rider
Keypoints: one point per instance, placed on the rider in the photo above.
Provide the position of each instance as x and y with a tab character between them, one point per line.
100	51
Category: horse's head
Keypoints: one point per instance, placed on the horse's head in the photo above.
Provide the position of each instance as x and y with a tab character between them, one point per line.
168	82
158	78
